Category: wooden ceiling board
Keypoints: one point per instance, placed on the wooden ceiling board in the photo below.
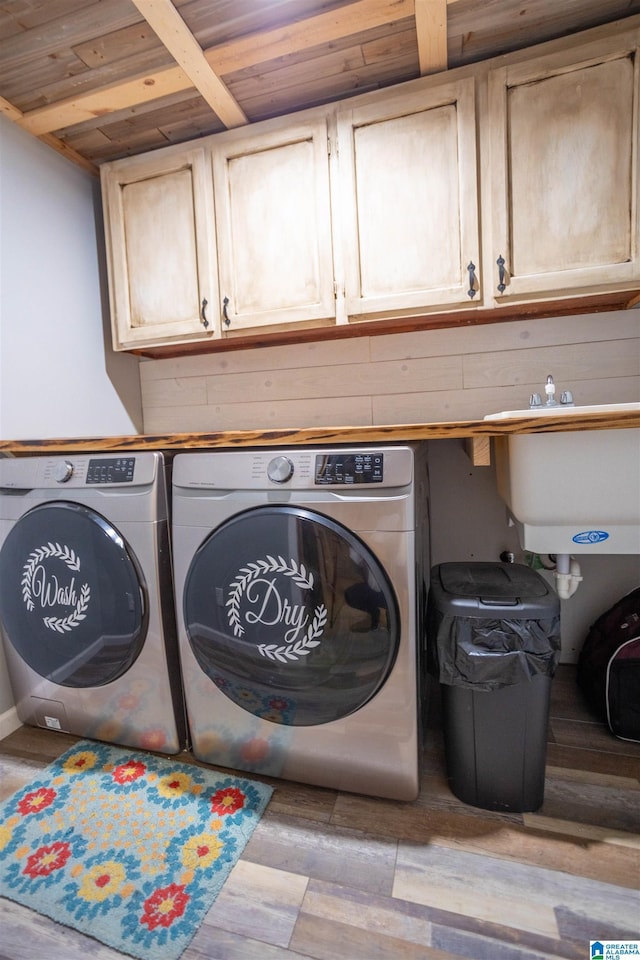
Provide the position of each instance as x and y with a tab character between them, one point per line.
17	16
111	75
305	37
156	125
505	27
247	66
332	76
344	56
94	77
218	22
66	30
398	44
189	119
143	116
118	47
47	73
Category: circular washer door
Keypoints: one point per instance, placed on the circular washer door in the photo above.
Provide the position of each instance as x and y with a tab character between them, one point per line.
72	602
291	615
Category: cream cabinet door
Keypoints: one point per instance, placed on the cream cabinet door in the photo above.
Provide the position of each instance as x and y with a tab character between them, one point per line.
409	201
161	248
564	172
273	222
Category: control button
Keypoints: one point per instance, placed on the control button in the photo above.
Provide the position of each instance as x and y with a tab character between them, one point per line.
280	469
63	471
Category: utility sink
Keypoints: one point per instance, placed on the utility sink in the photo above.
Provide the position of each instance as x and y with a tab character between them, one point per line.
563	411
572	492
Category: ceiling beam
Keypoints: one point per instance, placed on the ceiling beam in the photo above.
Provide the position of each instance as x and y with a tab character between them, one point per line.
168	25
224	59
9	111
431	33
12	113
106	100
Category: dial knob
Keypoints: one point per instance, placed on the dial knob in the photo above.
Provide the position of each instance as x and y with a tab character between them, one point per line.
280	469
63	471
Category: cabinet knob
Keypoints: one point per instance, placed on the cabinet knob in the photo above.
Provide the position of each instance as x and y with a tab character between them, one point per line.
203	316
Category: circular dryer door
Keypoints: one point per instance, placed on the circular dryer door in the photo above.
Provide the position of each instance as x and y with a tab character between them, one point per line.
291	615
72	602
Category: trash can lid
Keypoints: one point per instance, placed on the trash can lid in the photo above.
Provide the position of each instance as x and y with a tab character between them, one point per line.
508	583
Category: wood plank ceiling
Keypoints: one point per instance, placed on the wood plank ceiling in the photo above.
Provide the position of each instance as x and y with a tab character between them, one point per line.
101	79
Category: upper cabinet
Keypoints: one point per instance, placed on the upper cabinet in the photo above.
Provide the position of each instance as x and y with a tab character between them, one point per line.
564	171
409	201
273	225
458	196
159	221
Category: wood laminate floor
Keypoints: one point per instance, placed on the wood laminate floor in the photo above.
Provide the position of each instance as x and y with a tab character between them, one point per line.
331	875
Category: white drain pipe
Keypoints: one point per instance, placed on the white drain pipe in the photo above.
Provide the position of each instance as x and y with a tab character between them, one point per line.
567	575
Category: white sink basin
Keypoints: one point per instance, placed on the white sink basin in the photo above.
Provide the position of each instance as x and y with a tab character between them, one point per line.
544	411
573	492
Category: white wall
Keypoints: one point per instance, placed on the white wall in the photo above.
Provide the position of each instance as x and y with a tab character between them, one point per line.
57	379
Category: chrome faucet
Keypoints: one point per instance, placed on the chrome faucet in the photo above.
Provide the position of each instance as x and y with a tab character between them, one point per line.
566	397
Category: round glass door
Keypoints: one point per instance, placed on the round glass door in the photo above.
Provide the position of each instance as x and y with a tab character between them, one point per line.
291	615
72	602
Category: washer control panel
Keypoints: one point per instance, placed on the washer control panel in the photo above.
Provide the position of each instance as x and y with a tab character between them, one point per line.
349	468
112	470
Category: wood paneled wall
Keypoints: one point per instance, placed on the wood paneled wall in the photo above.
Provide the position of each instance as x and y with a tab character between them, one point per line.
430	376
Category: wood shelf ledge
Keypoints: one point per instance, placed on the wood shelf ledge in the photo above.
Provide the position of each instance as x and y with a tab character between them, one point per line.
477	431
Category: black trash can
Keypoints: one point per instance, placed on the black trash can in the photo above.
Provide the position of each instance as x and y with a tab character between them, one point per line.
493	642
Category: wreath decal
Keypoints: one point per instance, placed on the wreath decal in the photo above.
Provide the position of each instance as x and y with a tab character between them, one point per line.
71	560
298	573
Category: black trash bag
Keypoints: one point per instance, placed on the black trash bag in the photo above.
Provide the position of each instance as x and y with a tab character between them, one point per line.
487	654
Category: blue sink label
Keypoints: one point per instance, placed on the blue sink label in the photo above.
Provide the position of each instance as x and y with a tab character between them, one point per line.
591	536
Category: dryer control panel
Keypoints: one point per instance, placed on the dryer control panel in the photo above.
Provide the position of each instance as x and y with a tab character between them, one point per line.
349	468
331	473
112	470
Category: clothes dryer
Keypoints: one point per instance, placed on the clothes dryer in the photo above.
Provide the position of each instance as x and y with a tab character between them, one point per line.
299	577
86	597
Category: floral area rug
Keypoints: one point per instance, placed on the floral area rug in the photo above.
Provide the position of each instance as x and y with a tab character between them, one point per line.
126	847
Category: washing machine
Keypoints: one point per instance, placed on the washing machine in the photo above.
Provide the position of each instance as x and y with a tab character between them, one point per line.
299	577
86	597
